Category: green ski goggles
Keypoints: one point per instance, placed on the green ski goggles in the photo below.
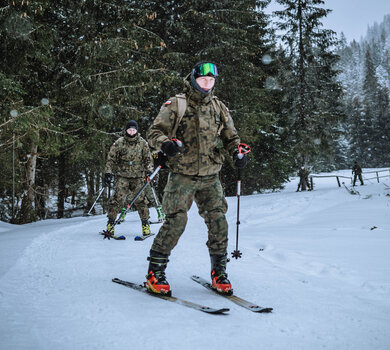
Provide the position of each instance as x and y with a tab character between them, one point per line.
206	69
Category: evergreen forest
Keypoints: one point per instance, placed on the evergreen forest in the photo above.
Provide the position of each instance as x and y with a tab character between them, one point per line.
73	73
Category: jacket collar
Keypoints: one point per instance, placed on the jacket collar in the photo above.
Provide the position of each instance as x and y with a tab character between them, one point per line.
194	95
131	139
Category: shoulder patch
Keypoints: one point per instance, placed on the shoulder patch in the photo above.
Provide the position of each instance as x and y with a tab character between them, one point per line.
168	102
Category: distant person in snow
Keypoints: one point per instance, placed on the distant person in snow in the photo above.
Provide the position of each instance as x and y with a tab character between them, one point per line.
130	160
303	174
204	128
357	173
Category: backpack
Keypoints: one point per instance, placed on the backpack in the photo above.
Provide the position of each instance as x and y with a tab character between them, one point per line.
182	107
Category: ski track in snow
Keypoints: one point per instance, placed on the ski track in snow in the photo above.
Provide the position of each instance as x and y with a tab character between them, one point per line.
312	256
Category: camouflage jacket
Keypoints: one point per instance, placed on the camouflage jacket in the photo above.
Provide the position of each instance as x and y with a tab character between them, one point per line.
303	173
129	157
198	130
357	169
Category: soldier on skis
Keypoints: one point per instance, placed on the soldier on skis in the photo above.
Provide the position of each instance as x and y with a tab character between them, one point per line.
130	160
204	126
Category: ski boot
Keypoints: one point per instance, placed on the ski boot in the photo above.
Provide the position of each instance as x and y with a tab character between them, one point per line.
110	230
122	216
145	228
220	282
155	279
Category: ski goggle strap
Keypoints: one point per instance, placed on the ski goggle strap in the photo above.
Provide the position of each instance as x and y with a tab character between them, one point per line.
207	69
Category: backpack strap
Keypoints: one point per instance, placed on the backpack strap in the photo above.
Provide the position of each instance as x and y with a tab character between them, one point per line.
181	110
182	107
221	110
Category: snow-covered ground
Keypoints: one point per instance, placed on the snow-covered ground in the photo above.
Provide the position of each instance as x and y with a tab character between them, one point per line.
321	259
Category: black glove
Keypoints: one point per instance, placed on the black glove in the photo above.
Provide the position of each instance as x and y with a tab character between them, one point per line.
155	180
240	163
170	148
160	159
107	179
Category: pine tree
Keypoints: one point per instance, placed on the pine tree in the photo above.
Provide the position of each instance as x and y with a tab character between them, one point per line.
312	94
94	62
364	74
374	130
26	42
381	140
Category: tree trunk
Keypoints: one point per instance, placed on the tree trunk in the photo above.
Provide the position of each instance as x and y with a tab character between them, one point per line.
301	70
40	200
27	210
42	192
61	185
73	201
89	176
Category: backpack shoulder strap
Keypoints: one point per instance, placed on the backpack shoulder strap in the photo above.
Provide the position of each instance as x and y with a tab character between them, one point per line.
218	106
181	110
221	109
181	105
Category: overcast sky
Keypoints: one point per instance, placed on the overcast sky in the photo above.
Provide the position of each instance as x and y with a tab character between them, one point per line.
351	17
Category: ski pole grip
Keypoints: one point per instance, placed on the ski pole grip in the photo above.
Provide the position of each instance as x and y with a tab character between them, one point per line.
243	149
151	177
178	142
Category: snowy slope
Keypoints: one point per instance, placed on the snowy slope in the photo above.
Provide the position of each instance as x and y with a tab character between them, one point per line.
315	257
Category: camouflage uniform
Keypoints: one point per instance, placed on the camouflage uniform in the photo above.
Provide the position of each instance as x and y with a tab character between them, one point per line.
303	174
129	159
194	171
357	171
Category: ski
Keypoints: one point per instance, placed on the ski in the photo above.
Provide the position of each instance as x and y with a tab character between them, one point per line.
150	222
183	302
350	190
235	299
118	238
143	237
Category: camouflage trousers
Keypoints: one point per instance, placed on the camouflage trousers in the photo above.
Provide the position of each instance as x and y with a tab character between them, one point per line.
125	191
179	194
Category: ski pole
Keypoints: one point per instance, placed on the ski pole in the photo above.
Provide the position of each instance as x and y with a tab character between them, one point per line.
242	150
148	180
160	213
154	195
122	216
124	212
100	193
